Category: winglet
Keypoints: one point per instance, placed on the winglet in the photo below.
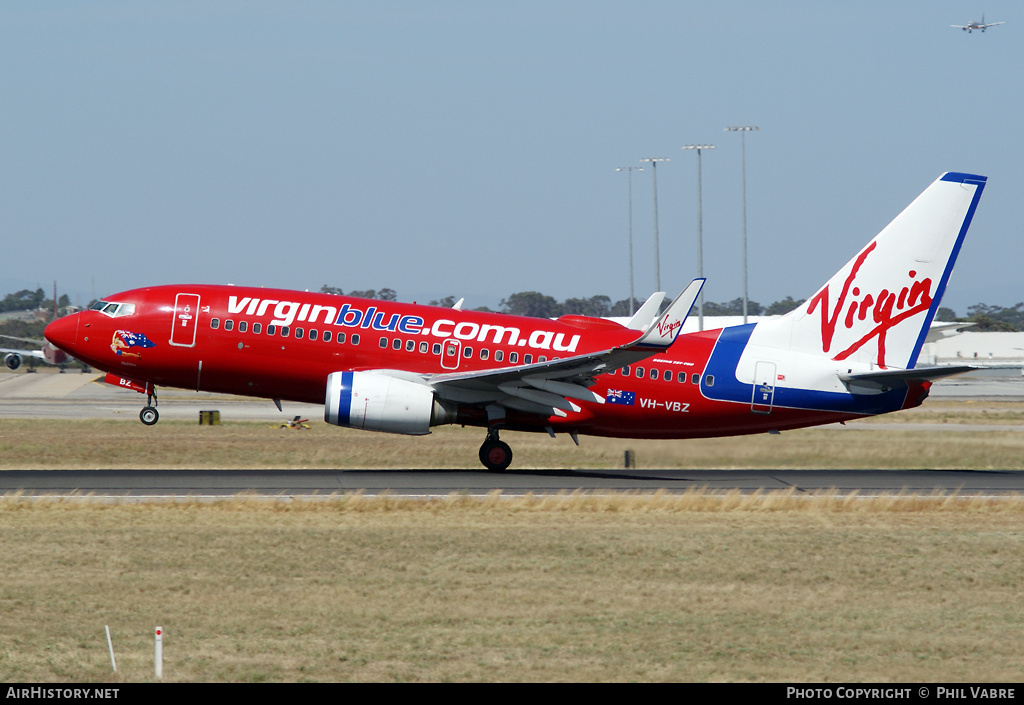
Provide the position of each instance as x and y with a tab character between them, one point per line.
662	332
644	316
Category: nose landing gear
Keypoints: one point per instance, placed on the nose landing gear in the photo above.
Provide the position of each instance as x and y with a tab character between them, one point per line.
149	415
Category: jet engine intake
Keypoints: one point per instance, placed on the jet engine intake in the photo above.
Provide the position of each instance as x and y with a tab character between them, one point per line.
12	361
379	402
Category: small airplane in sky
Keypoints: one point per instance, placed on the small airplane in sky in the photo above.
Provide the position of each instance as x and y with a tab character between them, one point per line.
847	352
971	26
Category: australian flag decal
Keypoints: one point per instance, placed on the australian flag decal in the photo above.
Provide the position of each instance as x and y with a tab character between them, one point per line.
617	396
124	341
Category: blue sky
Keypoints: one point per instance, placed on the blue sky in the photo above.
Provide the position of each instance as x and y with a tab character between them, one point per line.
469	148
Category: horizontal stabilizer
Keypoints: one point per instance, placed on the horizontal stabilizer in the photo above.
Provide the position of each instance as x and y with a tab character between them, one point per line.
890	379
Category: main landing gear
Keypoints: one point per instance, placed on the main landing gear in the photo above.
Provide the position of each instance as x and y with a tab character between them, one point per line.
149	415
495	454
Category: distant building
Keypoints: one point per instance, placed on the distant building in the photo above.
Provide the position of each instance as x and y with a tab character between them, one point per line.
971	348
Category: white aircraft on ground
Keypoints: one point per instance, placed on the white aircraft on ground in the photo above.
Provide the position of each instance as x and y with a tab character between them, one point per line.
13	357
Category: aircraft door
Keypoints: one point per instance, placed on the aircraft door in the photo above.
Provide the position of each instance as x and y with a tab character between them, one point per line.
450	351
186	318
763	393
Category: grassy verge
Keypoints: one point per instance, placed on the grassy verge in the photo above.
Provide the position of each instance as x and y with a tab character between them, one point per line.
577	588
26	444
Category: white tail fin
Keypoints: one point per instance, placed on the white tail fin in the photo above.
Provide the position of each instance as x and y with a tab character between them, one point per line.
876	310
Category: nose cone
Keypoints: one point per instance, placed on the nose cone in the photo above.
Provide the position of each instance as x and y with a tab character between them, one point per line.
63	333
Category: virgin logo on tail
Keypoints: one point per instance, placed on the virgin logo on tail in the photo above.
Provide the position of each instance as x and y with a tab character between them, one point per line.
666	328
887	309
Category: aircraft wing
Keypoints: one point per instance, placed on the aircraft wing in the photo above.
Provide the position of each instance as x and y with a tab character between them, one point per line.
25	340
545	388
47	353
23	353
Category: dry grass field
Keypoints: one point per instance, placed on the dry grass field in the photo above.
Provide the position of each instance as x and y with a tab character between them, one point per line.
941	435
571	588
567	588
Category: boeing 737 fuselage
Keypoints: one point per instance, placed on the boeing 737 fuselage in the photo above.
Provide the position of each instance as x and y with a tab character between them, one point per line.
849	351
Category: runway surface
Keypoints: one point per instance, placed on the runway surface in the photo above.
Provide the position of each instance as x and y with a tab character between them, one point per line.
435	483
75	395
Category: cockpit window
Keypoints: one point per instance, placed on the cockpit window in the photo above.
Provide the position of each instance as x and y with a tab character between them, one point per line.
114	310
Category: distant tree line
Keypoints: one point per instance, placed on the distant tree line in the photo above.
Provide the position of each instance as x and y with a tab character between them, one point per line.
21	329
538	305
988	318
532	303
28	300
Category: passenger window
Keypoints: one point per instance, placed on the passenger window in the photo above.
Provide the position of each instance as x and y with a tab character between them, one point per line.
513	357
654	373
640	372
327	336
299	333
229	324
215	323
695	378
397	344
410	345
436	349
625	371
284	331
668	375
383	342
257	327
484	353
681	378
424	347
271	330
242	326
312	334
355	339
710	380
467	352
341	338
499	355
527	359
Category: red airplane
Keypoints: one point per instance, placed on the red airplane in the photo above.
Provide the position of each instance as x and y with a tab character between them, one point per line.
849	351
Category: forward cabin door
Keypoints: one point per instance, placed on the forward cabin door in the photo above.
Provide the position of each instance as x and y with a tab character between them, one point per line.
186	319
763	394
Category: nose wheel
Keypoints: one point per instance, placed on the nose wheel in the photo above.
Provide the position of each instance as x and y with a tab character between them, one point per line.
495	454
149	415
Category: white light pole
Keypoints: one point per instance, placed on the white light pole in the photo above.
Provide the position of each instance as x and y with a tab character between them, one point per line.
629	170
657	261
700	233
743	149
